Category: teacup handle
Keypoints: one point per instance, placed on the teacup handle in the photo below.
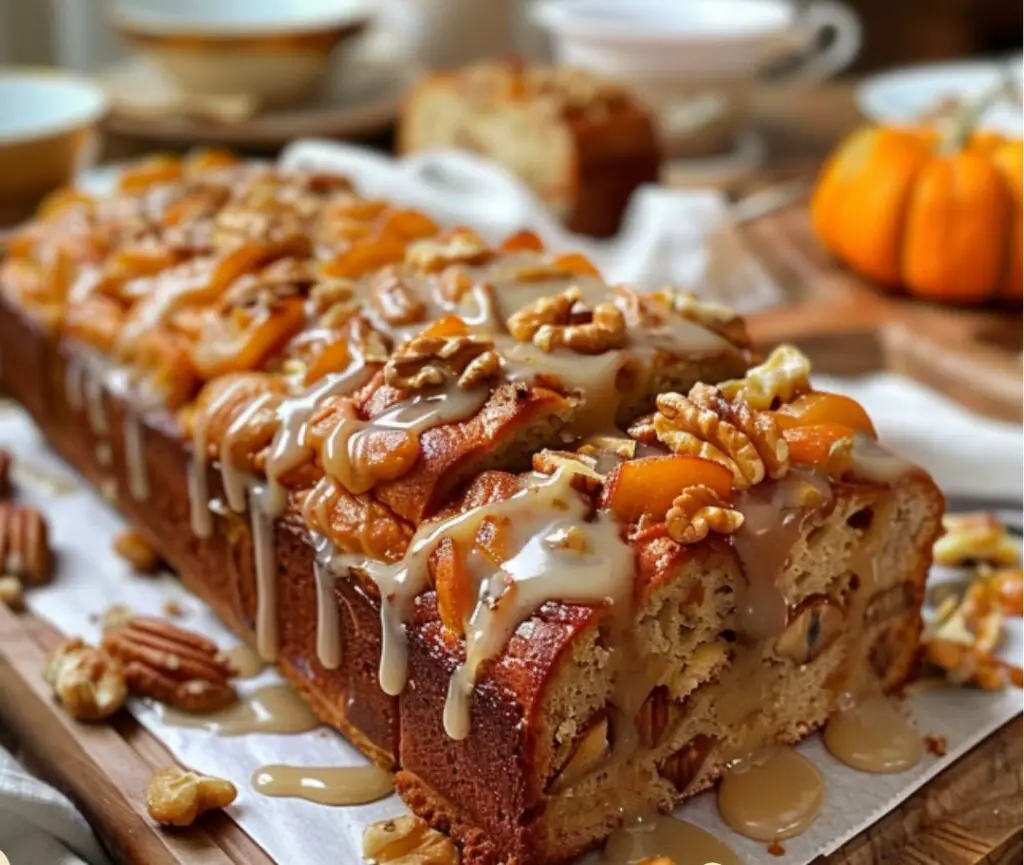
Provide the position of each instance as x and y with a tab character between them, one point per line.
818	17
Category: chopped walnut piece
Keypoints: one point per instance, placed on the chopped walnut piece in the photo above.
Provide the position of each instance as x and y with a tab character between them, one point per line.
170	664
5	473
431	256
24	544
176	797
937	745
962	642
133	547
694	430
407	840
397	304
12	593
781	378
715	317
88	682
776	848
548	462
555	310
975	538
696	512
606	330
558	321
760	427
430	361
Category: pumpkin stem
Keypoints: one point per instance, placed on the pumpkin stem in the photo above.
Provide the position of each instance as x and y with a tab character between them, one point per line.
962	123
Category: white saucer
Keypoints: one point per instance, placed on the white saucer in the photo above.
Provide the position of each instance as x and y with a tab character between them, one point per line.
360	98
904	95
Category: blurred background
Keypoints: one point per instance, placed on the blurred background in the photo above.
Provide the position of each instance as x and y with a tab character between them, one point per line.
745	100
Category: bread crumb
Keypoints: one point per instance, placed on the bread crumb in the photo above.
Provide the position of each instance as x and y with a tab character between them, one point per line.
776	849
937	745
173	609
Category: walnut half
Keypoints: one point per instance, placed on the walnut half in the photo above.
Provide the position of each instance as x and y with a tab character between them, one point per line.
89	683
176	797
407	840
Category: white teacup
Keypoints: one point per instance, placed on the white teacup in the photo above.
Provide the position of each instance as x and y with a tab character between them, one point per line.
678	51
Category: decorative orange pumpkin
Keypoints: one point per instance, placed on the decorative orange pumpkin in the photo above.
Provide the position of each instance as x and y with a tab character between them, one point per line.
935	215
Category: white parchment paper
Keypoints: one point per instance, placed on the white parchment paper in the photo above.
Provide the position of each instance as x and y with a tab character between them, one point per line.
91	577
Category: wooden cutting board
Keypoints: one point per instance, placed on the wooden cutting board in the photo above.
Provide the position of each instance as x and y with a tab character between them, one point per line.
969	814
847	325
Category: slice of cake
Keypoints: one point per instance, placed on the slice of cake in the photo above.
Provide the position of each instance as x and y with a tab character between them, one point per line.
583	144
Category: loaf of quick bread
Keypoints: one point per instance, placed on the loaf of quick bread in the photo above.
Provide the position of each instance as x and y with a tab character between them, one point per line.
554	551
582	143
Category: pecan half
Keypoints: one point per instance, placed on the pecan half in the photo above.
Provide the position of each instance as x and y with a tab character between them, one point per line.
682	767
654	717
430	361
172	665
24	544
698	511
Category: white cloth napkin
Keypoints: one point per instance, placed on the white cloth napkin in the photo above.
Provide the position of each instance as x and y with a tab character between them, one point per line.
685	238
38	825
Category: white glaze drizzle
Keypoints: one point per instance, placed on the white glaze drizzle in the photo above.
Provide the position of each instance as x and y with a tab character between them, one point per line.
289	448
234	480
74	375
198	486
342	452
267	637
328	617
549	525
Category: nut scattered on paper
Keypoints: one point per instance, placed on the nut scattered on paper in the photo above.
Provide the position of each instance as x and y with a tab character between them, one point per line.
88	682
133	547
168	663
965	634
12	593
176	797
24	544
407	840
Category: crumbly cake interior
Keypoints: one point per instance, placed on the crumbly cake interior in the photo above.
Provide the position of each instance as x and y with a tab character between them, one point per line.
557	551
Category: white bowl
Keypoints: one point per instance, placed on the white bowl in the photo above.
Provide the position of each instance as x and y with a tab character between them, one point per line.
47	129
274	52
